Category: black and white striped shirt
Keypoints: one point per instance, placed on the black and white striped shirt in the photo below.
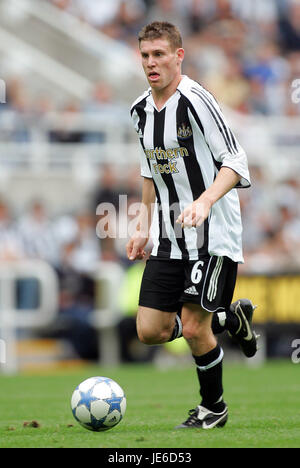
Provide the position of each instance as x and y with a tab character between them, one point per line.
183	146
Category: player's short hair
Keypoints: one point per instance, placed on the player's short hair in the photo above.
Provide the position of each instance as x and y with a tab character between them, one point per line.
161	29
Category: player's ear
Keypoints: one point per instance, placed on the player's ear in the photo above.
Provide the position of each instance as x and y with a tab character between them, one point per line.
180	54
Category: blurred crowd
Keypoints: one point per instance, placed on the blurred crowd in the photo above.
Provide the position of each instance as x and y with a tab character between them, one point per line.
76	242
246	52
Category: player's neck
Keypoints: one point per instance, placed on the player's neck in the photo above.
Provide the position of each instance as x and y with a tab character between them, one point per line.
161	96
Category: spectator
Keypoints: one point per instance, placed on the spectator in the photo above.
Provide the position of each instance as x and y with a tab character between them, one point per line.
289	27
168	10
38	235
19	111
105	205
231	88
106	109
76	305
130	19
67	132
11	242
98	13
85	251
108	188
13	248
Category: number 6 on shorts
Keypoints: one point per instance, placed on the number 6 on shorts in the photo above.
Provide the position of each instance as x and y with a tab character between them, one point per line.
196	273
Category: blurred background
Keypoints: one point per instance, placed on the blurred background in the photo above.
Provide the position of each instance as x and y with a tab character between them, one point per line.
69	71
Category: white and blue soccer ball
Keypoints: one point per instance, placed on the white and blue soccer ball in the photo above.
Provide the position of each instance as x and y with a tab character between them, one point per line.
98	403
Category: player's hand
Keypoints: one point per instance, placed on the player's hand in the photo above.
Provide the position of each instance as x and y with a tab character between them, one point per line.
195	213
135	246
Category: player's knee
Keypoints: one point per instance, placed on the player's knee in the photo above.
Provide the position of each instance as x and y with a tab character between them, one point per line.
189	332
194	330
151	336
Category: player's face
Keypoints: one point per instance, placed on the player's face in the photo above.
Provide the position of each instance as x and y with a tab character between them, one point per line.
161	63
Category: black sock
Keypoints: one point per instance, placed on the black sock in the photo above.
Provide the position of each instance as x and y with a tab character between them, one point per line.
177	331
218	322
222	321
209	371
232	322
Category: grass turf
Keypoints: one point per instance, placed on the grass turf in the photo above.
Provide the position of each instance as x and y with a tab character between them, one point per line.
263	408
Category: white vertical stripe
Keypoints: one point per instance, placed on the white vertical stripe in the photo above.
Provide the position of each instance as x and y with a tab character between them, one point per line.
212	279
217	278
212	289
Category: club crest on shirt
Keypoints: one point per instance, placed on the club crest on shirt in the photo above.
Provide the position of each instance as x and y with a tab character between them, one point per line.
184	131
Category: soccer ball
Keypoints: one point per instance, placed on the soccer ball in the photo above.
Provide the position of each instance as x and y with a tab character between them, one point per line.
98	403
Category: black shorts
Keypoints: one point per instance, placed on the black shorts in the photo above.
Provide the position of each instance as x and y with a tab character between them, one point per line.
209	282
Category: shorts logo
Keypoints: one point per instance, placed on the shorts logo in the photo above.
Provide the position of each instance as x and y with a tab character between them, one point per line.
192	290
184	131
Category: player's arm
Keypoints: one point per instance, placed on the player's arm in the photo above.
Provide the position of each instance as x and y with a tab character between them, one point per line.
135	247
224	148
196	213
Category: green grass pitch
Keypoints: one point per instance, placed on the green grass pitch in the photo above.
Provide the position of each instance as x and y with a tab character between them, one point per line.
264	408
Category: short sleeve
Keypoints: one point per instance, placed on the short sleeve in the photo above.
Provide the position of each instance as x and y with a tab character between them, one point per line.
223	145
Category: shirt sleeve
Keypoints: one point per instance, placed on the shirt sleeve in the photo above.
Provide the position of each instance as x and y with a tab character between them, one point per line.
223	145
145	170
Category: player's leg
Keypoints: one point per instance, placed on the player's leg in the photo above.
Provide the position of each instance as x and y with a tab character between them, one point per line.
237	321
236	318
225	319
208	356
243	333
161	288
205	283
155	326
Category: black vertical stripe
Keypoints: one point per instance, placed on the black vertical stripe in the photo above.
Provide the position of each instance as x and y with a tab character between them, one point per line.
158	142
193	168
233	140
140	110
